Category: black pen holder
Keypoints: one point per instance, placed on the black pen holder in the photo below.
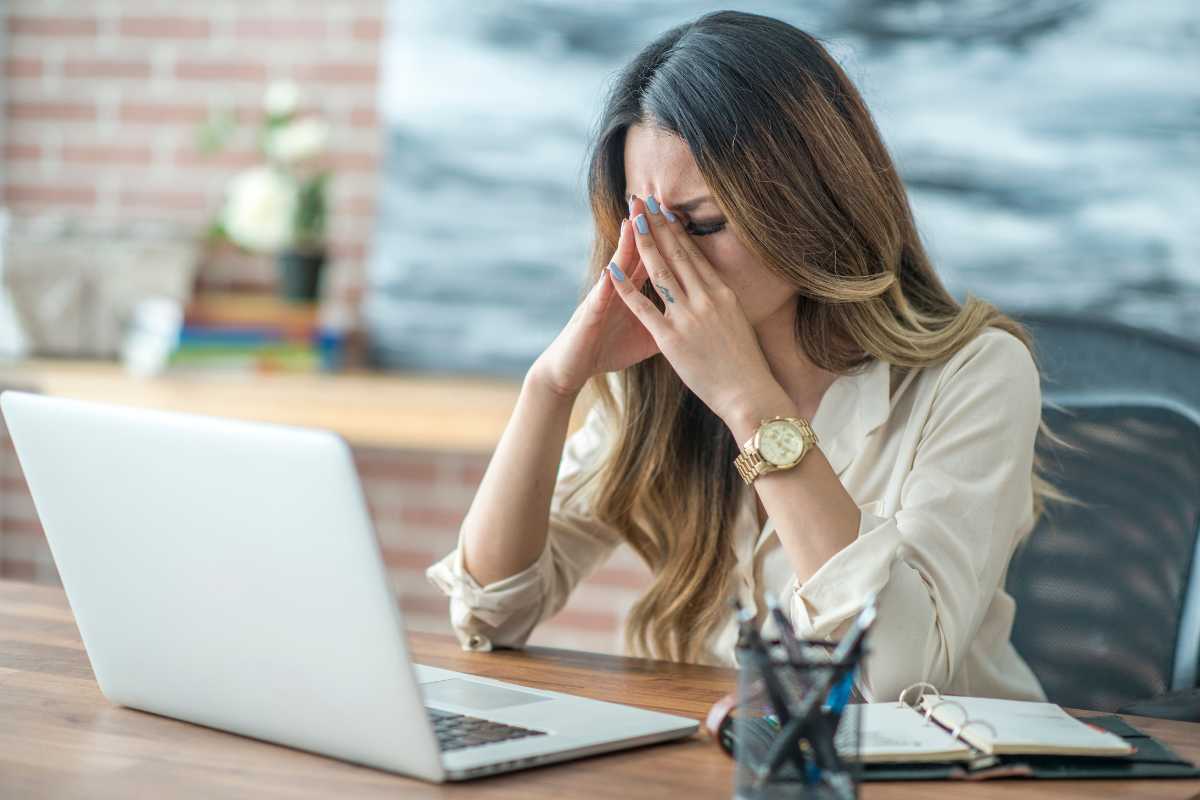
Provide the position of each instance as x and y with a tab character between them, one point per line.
820	758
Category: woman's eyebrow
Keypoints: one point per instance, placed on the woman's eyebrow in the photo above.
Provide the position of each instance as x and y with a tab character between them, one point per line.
688	206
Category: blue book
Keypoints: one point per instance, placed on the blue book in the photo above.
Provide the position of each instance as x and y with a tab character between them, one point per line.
190	334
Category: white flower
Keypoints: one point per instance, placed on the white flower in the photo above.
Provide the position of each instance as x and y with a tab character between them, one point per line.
282	98
260	211
299	140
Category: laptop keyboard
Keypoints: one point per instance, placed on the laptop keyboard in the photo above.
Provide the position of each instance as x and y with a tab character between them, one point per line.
456	731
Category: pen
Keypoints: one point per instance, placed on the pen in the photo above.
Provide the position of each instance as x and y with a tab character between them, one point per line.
752	642
758	651
839	695
804	711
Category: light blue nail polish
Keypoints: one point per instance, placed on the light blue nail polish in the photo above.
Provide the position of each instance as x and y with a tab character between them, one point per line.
670	216
616	271
651	204
642	225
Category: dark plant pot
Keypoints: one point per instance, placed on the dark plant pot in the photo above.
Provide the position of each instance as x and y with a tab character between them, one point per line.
300	274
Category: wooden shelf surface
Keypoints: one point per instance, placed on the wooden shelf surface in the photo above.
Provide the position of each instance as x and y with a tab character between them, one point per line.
369	409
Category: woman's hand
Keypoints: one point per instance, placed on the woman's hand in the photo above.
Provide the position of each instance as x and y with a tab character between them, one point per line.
603	335
704	332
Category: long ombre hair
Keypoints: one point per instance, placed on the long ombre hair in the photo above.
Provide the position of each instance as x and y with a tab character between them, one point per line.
791	153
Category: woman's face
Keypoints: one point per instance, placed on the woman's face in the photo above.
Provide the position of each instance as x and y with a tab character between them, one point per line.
659	163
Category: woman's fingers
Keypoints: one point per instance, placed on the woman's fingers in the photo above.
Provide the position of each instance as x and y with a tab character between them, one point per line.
696	269
624	255
639	304
668	240
658	270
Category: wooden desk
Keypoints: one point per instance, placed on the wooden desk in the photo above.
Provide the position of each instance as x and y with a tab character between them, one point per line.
60	738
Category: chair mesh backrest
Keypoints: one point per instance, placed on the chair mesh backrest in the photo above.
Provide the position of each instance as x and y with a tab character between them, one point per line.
1100	588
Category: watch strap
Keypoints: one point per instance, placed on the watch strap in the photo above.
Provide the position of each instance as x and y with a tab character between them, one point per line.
751	464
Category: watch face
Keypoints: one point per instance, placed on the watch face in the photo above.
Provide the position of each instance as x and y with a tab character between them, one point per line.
780	442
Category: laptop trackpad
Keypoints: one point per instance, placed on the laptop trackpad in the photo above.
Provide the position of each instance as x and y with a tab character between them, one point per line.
480	696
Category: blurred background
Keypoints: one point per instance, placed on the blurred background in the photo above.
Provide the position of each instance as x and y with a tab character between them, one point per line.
370	215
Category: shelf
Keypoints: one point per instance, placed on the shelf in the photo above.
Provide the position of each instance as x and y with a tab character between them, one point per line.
368	409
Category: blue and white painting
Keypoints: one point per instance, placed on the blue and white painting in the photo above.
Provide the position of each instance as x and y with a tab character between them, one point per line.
1051	149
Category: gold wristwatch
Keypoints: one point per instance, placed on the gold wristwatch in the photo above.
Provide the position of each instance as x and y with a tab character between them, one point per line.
777	443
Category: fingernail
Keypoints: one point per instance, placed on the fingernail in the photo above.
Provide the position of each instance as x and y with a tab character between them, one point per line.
651	204
640	221
670	216
616	271
631	199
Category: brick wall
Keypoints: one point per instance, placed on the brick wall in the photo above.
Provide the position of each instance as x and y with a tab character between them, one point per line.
102	102
101	105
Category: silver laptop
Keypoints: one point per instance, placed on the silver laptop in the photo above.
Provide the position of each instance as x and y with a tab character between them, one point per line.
226	573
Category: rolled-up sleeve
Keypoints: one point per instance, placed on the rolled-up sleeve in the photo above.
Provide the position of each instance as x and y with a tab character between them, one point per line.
505	612
937	562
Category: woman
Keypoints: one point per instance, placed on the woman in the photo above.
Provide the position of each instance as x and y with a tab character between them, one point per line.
756	257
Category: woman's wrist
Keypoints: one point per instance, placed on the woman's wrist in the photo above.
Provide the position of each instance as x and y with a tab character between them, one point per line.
537	381
770	401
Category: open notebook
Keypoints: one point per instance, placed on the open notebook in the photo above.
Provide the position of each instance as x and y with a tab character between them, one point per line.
954	728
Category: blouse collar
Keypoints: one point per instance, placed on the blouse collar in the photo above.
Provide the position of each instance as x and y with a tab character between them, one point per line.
853	406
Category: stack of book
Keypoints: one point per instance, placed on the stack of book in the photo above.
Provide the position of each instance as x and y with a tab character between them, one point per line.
251	332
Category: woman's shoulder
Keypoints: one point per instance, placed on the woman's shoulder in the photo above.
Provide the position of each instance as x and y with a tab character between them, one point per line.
993	352
994	367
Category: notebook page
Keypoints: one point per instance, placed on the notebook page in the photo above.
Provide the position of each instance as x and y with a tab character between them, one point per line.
898	734
1026	727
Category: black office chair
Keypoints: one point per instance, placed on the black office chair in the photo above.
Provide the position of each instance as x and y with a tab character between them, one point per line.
1108	592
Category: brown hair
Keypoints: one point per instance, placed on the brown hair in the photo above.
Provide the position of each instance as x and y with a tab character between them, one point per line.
793	157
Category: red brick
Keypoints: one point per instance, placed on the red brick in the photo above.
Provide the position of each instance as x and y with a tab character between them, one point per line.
51	26
363	204
18	570
181	200
370	466
107	154
368	29
162	112
425	604
105	68
354	161
351	251
23	68
471	474
434	517
621	578
15	485
221	70
22	152
340	72
579	619
50	194
223	158
165	27
23	527
408	559
60	112
349	295
363	117
279	28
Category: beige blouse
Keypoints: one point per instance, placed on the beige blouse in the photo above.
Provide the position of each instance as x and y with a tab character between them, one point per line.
940	467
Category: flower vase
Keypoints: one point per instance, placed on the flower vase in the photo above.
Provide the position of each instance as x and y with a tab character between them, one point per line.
300	274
